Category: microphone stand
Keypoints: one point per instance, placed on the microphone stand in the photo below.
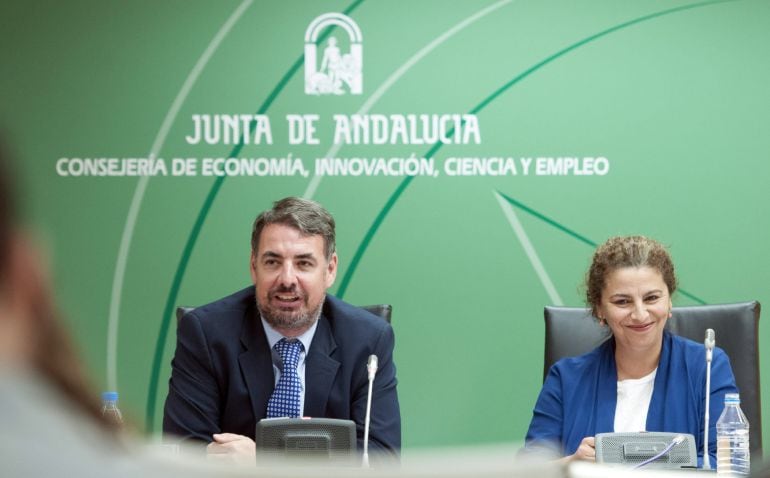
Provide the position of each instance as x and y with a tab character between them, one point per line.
709	343
371	367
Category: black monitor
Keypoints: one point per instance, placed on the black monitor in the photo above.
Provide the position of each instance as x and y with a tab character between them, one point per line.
317	439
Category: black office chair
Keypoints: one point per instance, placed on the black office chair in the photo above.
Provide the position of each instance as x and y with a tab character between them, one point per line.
384	311
571	331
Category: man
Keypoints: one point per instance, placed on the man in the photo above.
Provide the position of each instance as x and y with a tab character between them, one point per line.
228	369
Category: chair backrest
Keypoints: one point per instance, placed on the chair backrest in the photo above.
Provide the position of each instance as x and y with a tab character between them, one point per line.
384	311
571	331
181	311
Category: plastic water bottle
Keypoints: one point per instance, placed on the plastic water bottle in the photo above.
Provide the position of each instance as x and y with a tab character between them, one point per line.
110	409
733	453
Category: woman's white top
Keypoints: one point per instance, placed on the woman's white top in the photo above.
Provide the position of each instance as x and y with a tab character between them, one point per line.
634	397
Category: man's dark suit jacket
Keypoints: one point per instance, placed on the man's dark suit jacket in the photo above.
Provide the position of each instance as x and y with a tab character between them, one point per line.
222	372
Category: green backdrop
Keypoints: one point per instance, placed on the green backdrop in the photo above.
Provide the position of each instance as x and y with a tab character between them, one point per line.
672	93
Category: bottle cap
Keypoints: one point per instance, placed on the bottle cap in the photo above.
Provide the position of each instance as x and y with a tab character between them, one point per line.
110	396
732	398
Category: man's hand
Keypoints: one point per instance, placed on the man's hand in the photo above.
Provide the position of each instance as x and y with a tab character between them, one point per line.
229	446
586	451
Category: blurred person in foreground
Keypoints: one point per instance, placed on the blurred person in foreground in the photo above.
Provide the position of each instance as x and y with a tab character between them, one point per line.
643	378
229	370
50	417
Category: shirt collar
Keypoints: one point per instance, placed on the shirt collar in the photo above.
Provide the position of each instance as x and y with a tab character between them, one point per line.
273	336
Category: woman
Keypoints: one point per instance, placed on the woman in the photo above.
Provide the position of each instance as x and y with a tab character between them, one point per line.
643	378
51	418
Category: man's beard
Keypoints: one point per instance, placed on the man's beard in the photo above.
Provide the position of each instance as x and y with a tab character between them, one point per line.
290	320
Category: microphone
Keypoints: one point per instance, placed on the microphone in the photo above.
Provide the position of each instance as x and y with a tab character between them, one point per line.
709	343
371	368
676	441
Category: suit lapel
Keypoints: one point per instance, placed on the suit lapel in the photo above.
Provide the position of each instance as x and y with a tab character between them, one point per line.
607	393
256	363
657	413
320	370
